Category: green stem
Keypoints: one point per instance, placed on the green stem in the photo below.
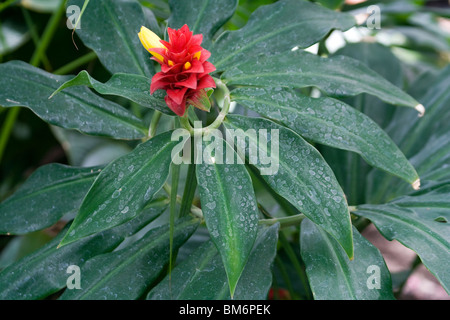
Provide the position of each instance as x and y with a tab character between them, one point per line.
154	124
225	107
173	213
189	190
195	211
47	36
73	65
184	121
284	221
7	128
35	37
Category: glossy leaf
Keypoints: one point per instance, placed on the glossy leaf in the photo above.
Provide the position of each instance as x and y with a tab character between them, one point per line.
123	188
130	86
110	28
329	122
128	272
420	222
351	171
299	174
203	277
230	210
37	204
44	272
76	108
381	60
338	76
275	28
412	134
204	16
333	277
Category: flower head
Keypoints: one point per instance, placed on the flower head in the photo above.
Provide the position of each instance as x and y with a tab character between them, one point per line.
184	71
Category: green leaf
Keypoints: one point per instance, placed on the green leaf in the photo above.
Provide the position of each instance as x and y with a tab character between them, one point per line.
299	174
230	210
333	277
329	122
202	16
412	133
37	204
417	136
128	272
110	28
203	277
420	222
123	188
351	171
338	76
277	28
44	272
130	86
76	108
381	60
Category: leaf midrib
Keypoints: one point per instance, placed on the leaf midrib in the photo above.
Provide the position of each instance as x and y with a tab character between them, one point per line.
119	28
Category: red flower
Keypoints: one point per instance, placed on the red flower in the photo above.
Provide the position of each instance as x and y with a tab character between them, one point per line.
184	71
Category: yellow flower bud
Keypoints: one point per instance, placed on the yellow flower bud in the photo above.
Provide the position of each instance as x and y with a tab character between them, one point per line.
150	40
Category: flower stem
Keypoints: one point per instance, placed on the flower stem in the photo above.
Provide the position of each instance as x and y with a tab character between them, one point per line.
47	36
88	57
154	124
7	128
184	121
284	221
225	107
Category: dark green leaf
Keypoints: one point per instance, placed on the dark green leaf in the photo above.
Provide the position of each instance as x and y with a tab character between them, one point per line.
123	187
128	272
417	136
330	122
421	223
110	28
339	76
44	272
202	16
51	192
380	59
203	277
277	28
230	210
75	108
299	174
130	86
333	277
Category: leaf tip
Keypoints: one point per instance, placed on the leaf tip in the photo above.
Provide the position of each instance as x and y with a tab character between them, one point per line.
421	109
416	184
